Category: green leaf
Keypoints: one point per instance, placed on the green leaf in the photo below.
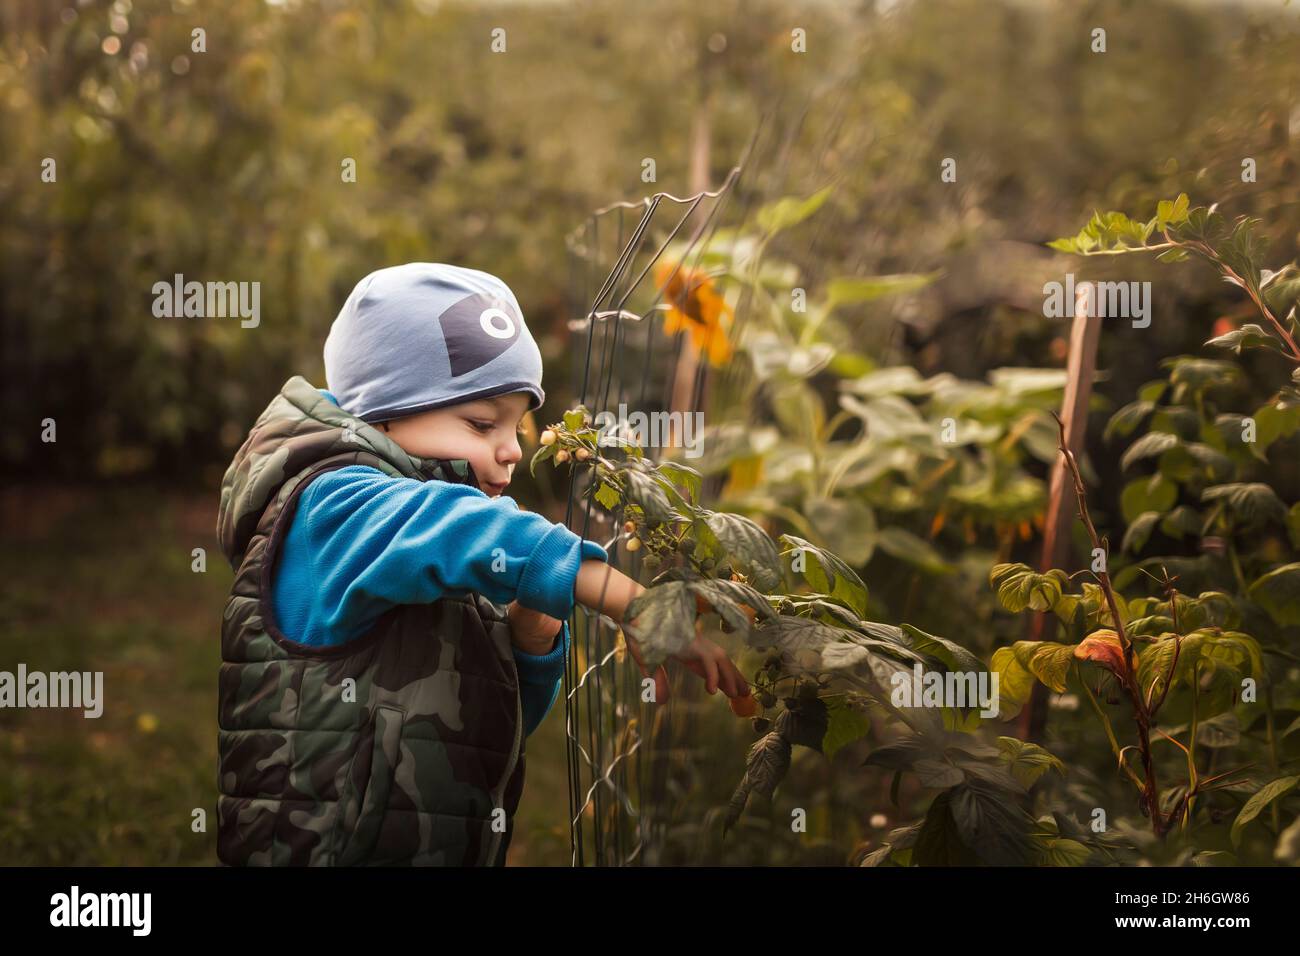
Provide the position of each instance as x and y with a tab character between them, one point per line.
1139	531
940	841
1278	593
1251	503
1281	290
790	211
902	754
1152	625
1019	382
1061	851
797	407
1017	667
1249	336
766	765
953	656
607	495
844	725
662	621
1020	587
1048	661
643	489
908	547
851	289
1153	390
1156	493
804	722
1128	418
1148	446
1181	522
748	546
685	476
847	525
1194	463
937	774
995	827
544	453
828	574
892	380
840	647
1172	212
1258	801
728	597
1216	464
1211	661
1027	761
1189	373
575	418
1176	420
1216	733
1015	682
1273	421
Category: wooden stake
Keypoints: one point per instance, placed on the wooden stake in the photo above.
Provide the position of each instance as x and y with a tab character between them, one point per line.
1085	333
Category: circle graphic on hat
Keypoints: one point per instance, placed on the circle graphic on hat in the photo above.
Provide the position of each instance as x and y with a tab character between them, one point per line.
488	322
476	330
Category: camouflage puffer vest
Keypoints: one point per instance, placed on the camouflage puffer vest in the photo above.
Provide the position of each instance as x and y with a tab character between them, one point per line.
403	746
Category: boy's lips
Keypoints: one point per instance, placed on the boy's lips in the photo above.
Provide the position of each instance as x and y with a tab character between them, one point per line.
495	487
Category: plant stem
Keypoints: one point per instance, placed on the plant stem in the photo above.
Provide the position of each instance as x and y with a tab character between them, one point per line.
1151	792
1272	748
1110	733
1192	781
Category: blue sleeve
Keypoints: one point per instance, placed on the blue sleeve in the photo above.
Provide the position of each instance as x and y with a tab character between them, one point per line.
540	678
374	541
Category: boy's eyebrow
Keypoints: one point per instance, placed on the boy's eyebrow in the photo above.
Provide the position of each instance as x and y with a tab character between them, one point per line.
481	405
497	407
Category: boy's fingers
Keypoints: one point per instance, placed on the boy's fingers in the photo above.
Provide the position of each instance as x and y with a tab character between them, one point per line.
727	677
636	652
710	673
661	683
738	682
660	675
723	671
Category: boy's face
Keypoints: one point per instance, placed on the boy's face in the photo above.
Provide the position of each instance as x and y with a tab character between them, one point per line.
485	432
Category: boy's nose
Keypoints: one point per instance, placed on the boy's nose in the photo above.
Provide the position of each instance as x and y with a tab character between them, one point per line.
510	453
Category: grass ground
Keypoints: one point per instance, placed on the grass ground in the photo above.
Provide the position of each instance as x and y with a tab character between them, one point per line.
98	578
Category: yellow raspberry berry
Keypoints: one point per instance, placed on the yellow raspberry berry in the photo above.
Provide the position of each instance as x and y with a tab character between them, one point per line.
548	437
561	456
582	454
634	544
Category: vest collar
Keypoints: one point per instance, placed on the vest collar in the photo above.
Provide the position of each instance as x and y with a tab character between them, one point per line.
308	399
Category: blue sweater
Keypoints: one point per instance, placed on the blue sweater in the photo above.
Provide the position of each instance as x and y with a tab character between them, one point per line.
362	541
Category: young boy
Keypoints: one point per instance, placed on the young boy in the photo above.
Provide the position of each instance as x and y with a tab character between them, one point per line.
374	693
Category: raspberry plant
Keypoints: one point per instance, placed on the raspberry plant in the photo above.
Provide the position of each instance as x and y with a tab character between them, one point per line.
826	669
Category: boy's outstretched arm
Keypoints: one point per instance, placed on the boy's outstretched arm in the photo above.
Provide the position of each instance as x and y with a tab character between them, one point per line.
607	590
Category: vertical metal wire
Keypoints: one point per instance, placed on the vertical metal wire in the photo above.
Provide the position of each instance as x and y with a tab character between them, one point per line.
595	705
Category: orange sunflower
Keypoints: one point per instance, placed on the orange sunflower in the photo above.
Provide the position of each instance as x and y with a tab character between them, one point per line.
696	306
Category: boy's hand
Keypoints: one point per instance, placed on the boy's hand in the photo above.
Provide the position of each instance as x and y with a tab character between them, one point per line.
609	591
532	631
703	657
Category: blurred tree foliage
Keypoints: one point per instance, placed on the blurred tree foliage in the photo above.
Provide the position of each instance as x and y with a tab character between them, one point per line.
225	165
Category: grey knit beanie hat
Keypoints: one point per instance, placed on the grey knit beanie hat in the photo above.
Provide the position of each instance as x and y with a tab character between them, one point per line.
427	334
